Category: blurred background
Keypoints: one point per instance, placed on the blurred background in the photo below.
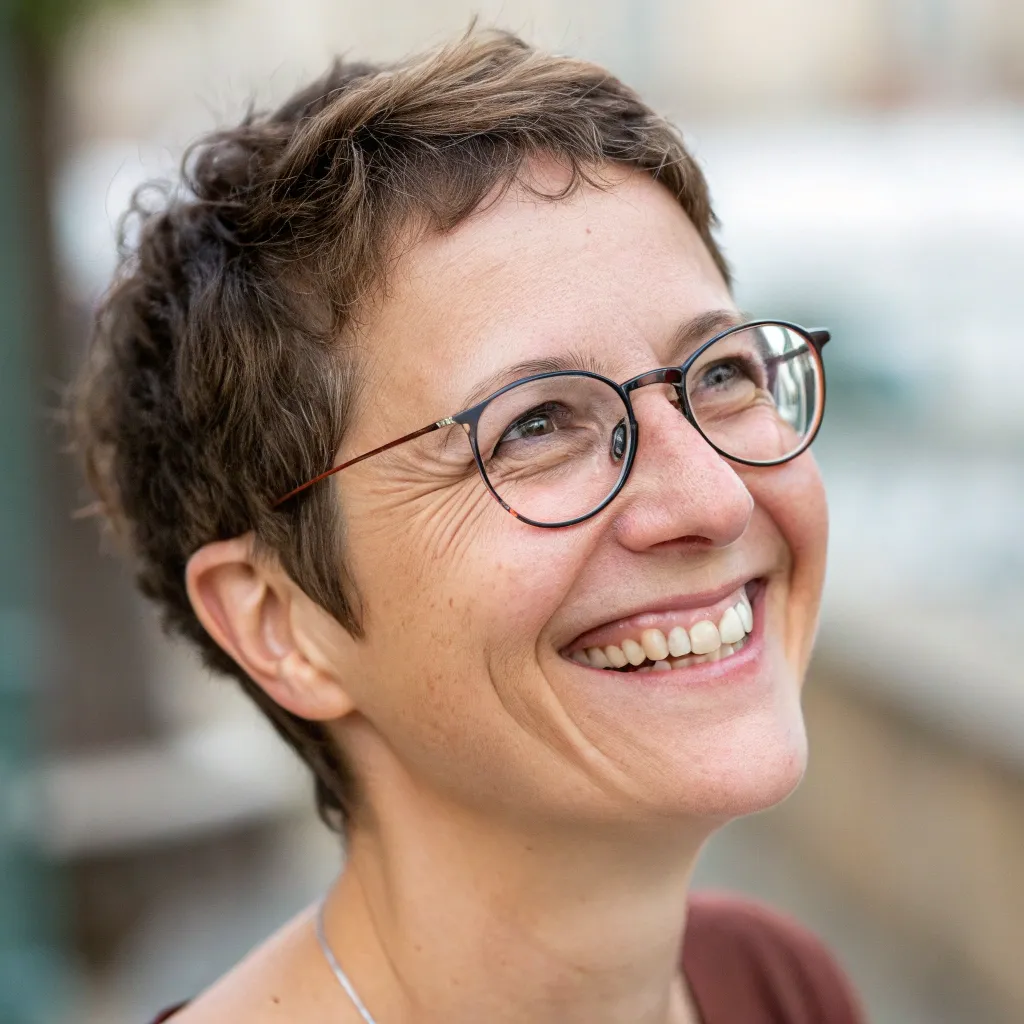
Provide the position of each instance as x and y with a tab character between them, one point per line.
867	160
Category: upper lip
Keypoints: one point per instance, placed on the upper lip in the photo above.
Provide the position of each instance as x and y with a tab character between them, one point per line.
676	602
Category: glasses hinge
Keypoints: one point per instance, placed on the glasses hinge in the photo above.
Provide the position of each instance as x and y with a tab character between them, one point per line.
446	422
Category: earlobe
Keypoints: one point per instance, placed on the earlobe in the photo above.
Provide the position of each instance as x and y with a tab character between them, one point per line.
247	606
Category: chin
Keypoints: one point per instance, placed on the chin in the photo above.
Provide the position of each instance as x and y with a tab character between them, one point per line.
742	764
712	746
753	771
710	772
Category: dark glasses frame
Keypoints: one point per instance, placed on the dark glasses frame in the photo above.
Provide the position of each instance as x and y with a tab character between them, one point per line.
469	418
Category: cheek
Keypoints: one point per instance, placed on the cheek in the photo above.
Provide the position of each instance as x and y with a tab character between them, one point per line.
508	581
450	654
466	587
797	497
793	497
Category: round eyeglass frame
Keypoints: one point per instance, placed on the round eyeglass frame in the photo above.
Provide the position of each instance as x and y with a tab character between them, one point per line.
469	419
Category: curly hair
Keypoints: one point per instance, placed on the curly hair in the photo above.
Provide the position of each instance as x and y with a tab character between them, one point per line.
218	373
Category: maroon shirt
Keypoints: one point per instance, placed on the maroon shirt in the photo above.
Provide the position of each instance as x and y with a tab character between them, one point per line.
747	964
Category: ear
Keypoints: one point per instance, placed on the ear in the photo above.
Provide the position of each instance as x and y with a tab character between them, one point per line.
253	610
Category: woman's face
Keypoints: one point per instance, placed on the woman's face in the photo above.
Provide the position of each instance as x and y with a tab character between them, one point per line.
464	680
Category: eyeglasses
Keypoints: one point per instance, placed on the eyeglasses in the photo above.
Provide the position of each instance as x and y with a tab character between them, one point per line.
555	448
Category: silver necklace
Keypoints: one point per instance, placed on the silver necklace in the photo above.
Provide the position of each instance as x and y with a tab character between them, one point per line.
342	977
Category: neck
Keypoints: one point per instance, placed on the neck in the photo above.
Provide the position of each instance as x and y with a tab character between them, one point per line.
443	916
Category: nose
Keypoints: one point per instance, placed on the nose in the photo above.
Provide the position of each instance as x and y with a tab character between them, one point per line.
680	488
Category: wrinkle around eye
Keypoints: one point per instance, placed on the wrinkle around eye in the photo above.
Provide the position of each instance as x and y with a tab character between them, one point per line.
438	522
445	454
453	439
445	528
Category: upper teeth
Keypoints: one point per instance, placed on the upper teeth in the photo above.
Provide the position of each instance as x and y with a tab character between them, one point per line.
700	642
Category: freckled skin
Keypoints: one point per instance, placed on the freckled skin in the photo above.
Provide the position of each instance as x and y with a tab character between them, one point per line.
458	683
516	811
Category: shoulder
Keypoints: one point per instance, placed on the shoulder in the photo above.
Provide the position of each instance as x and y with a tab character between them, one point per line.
747	961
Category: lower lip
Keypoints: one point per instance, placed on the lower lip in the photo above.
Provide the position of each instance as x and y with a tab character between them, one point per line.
734	670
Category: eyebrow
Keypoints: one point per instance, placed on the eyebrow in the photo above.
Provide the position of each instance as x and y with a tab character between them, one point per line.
686	336
572	360
692	332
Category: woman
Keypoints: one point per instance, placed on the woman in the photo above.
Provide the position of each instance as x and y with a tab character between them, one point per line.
376	322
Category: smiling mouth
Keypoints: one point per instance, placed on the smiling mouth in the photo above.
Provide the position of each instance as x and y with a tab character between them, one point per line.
655	650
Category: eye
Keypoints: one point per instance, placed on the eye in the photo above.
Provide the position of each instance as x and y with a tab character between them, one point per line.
536	423
721	375
532	427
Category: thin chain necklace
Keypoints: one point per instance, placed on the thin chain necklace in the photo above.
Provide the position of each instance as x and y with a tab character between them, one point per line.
342	977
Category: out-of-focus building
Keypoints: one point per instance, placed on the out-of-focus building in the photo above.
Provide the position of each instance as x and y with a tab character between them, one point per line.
867	160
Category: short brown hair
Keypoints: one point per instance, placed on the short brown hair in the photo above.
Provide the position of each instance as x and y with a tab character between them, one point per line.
218	375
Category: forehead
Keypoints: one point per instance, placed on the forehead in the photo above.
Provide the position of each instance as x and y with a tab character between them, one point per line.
609	272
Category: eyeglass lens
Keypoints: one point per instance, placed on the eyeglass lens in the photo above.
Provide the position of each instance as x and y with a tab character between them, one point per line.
554	448
757	394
